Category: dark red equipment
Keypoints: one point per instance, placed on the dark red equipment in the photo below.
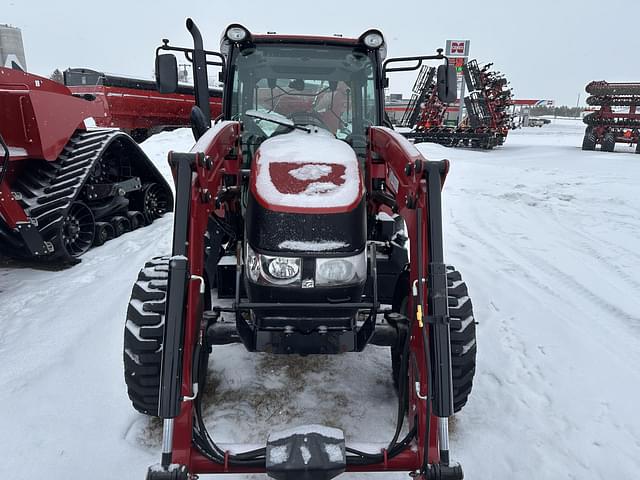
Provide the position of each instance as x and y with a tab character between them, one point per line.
487	106
618	118
134	105
310	271
63	186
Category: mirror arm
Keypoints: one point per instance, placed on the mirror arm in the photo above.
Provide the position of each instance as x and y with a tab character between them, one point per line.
188	56
188	51
419	59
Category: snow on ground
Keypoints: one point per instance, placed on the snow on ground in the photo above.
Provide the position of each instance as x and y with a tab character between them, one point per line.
546	237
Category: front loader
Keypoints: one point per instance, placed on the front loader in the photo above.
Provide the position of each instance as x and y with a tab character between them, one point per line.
297	205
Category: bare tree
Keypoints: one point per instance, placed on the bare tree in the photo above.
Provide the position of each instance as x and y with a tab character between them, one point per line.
57	76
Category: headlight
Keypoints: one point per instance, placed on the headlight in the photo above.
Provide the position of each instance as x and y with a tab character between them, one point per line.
283	268
267	269
372	39
237	34
252	264
335	271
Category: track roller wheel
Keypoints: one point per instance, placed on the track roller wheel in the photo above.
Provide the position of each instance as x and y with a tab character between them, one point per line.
589	141
104	232
609	142
463	339
152	201
143	335
120	225
136	219
77	230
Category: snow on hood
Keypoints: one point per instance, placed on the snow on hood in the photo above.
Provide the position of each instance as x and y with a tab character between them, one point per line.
299	171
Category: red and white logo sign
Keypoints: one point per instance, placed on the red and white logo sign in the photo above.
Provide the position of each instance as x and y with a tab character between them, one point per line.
457	47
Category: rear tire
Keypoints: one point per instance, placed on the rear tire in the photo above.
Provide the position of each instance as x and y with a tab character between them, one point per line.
463	339
143	335
589	141
608	143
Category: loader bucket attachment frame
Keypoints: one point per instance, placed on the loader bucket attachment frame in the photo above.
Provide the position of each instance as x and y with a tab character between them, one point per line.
415	184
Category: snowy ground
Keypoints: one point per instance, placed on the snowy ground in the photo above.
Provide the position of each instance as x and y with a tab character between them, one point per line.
547	238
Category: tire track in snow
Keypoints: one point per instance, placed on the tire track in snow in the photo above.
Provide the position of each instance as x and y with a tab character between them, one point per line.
538	262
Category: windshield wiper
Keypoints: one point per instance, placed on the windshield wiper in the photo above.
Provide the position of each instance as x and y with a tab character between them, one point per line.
275	118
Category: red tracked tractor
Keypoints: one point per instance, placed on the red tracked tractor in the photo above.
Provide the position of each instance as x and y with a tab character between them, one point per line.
65	187
298	205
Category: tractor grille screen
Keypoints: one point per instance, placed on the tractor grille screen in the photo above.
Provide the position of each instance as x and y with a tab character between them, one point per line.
271	231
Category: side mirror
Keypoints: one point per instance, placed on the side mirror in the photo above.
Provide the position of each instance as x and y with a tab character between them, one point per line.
166	73
297	84
198	122
447	83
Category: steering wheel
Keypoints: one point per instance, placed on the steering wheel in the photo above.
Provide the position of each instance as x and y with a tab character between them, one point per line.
308	118
253	135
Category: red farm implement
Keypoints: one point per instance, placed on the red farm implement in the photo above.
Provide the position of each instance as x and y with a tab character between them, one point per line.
134	105
617	120
487	122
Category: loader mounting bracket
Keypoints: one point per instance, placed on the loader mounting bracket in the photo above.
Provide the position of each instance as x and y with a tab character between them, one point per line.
444	472
306	455
174	472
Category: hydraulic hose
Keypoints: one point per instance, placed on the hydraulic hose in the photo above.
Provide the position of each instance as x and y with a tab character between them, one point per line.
5	163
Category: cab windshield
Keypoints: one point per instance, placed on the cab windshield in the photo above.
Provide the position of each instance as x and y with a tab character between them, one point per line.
326	86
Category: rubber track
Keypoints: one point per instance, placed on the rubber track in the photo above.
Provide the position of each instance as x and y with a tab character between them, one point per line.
143	335
48	191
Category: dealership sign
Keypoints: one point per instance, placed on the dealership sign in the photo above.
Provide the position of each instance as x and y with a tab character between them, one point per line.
457	48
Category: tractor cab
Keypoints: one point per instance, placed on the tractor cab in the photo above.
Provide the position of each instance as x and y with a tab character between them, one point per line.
329	83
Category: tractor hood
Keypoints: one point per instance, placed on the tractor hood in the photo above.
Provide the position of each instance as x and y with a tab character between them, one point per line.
300	172
306	195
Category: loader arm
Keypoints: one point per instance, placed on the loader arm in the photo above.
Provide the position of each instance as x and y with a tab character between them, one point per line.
209	160
414	184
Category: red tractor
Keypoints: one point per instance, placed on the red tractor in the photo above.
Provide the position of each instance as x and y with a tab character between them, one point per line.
298	205
64	186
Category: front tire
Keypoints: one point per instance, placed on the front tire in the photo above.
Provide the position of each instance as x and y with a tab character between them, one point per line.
463	339
143	335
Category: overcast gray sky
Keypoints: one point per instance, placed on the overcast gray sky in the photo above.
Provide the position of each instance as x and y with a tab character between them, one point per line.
549	49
